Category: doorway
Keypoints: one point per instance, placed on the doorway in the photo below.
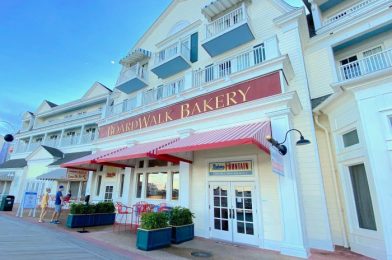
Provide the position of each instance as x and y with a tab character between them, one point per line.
233	212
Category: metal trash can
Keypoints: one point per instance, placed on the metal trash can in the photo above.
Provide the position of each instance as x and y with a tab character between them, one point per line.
7	202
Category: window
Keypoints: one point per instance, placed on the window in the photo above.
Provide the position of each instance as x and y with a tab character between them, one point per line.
53	137
259	53
74	189
72	133
351	67
108	193
99	184
362	197
350	138
139	185
175	185
157	163
156	185
122	176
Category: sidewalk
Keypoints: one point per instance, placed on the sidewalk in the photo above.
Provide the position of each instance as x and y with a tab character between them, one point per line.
123	243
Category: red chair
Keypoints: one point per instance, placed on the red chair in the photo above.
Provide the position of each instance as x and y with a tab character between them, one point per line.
162	207
140	208
123	211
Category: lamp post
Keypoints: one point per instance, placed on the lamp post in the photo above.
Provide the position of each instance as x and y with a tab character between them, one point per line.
8	137
281	147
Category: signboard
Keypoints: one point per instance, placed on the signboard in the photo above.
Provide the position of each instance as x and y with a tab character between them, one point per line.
30	200
110	174
237	94
77	175
277	161
230	168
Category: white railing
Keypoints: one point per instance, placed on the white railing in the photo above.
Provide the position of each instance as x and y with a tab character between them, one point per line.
229	66
124	106
22	147
353	10
226	22
163	91
132	72
52	142
70	140
89	137
178	48
67	119
34	146
370	64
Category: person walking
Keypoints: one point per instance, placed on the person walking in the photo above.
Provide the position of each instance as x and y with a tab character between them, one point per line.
44	205
57	205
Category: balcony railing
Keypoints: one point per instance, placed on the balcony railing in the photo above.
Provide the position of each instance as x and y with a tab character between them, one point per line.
124	106
70	140
226	22
135	71
67	119
353	10
52	142
368	65
227	67
178	48
163	91
89	137
22	147
34	146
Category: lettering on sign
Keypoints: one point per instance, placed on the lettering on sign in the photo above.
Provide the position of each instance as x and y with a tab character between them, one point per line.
230	168
77	175
110	174
238	94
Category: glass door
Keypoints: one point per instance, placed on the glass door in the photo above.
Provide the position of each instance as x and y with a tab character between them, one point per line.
233	212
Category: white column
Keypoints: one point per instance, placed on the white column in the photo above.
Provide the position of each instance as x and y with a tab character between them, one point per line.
294	242
81	134
316	13
79	195
127	189
185	180
44	139
90	183
61	137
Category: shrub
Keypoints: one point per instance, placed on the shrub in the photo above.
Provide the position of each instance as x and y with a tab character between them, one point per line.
104	207
101	207
154	220
180	216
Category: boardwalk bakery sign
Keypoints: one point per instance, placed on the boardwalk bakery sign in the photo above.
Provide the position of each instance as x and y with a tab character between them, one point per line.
240	93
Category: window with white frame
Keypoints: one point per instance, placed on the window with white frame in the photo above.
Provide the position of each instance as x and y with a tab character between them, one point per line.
108	193
350	138
158	180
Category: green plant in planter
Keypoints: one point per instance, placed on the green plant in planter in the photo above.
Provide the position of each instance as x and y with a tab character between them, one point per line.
180	216
81	208
104	207
154	220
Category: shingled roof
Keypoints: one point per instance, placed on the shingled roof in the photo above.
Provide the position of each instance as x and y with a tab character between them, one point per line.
11	164
70	157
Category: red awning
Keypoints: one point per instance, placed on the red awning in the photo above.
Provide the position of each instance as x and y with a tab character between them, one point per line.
142	150
239	135
89	162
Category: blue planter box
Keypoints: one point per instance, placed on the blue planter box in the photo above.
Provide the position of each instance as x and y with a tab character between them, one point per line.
153	239
89	220
182	233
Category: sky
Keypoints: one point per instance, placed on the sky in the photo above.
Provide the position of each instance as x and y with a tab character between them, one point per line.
56	49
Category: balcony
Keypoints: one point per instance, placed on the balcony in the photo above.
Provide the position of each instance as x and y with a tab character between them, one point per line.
122	107
33	146
132	78
89	138
228	32
172	60
368	65
359	9
65	120
21	147
163	91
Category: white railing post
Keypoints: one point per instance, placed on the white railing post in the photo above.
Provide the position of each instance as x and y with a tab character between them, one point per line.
29	144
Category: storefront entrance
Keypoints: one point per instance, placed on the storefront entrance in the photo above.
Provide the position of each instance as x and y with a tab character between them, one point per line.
233	211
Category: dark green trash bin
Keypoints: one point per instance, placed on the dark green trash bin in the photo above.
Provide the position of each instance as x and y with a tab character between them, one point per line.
7	202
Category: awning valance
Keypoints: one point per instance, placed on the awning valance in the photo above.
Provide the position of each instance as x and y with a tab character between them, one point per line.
57	174
239	135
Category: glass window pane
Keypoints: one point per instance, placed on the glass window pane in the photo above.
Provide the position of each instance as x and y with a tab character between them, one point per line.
249	228
225	213
216	213
350	138
175	185
363	202
225	225
139	183
224	201
217	224
156	185
248	203
240	227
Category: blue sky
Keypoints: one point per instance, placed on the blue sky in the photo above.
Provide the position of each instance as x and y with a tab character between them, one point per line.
56	49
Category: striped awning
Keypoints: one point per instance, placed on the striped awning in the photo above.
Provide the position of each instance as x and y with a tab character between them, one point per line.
57	174
143	150
89	162
253	134
7	176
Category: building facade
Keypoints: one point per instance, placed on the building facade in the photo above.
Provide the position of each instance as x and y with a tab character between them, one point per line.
349	63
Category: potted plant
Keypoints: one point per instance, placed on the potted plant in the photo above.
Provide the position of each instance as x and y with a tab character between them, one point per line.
154	231
182	225
87	215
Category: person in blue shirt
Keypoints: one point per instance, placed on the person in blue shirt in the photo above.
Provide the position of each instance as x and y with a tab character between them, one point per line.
57	205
